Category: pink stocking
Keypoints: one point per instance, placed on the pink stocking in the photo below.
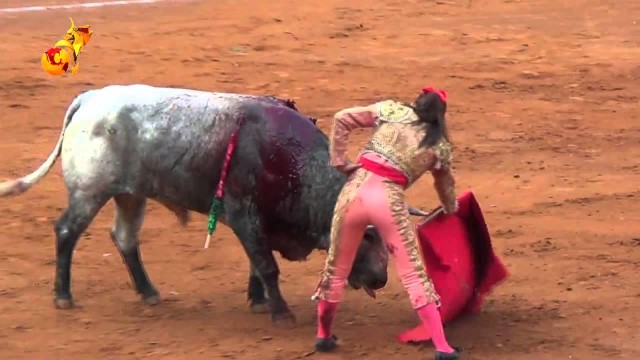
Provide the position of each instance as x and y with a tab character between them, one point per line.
430	316
326	313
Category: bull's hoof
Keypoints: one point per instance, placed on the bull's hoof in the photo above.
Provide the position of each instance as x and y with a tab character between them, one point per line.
259	308
284	320
151	300
63	304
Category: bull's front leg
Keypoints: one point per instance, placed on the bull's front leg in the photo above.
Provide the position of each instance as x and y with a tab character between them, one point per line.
246	225
255	293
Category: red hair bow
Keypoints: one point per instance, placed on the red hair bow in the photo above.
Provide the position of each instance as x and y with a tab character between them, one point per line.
441	93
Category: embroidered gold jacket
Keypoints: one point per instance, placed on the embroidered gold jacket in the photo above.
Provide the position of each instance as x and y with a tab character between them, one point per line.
397	138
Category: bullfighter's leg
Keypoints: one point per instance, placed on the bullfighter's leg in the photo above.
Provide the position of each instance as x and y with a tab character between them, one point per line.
244	221
82	208
391	218
258	300
348	226
128	221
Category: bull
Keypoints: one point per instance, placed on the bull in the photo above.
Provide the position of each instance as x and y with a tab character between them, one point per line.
137	142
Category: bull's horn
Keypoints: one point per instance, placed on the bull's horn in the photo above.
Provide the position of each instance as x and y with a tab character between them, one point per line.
73	24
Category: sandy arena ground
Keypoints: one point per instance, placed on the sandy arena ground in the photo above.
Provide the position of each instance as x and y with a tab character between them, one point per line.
543	109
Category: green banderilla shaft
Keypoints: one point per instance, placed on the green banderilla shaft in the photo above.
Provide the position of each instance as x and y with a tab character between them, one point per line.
216	207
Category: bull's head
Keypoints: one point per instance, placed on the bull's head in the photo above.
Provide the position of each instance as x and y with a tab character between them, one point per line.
369	270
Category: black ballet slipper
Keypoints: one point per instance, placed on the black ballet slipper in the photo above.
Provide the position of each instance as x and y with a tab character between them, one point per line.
455	355
326	344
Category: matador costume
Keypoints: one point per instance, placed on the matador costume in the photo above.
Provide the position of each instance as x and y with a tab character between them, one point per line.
374	194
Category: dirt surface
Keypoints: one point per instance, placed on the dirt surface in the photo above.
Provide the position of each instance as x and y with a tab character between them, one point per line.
543	110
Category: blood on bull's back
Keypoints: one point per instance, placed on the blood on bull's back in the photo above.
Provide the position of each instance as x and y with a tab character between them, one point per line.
293	156
163	143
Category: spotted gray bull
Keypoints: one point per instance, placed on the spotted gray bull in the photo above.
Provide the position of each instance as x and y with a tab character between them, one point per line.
137	142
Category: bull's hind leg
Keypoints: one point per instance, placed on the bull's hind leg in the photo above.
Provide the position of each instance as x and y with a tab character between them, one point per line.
127	224
83	207
245	224
257	299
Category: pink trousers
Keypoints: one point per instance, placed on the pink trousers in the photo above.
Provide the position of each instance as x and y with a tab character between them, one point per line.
370	199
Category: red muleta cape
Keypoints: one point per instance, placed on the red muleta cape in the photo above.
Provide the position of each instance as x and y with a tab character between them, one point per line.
460	261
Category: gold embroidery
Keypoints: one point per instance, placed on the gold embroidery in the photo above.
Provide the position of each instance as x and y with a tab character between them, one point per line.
345	198
444	184
400	143
337	144
444	181
407	231
443	151
395	112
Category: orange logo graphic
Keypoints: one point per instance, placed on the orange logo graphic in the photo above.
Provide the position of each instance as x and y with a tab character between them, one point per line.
64	54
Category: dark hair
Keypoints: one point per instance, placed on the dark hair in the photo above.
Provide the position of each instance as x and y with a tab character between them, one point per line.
431	109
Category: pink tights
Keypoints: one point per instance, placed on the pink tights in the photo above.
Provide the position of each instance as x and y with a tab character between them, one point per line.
371	199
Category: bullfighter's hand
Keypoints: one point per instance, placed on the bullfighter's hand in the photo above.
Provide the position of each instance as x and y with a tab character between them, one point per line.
452	210
348	168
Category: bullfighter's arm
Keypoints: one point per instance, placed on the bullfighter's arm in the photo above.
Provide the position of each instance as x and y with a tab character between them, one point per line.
343	123
444	181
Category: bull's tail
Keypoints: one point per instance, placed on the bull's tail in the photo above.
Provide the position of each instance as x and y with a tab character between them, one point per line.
20	185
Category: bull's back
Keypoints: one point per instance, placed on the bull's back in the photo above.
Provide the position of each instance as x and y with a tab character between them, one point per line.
163	143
